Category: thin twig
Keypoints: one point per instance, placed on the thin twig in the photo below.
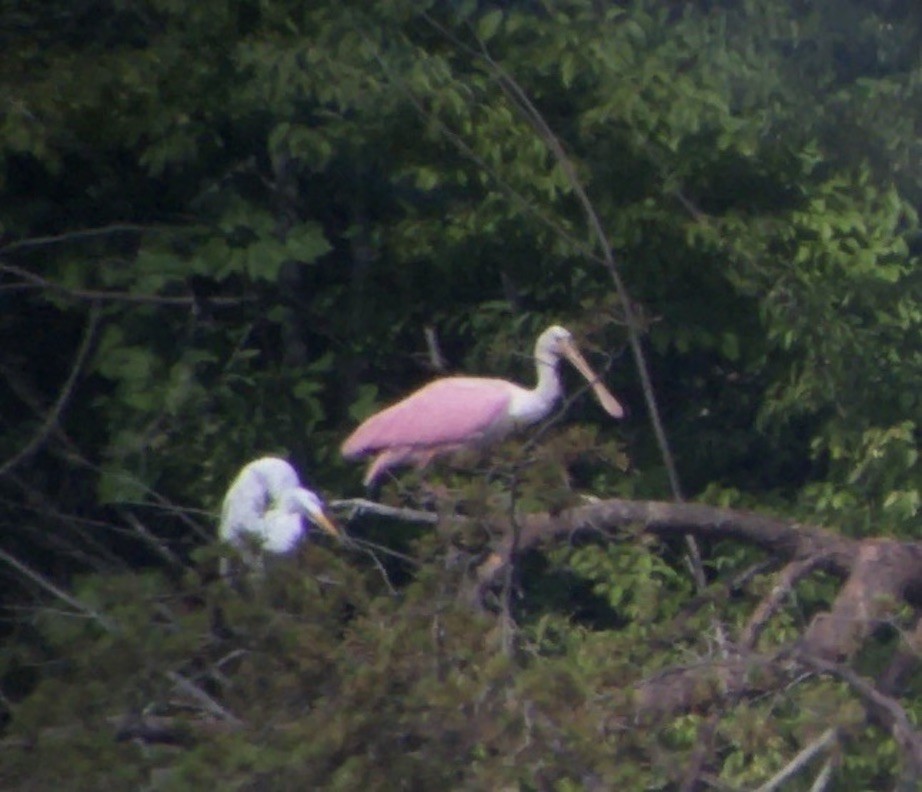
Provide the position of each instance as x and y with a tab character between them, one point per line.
38	282
362	544
66	392
70	236
704	747
110	626
193	690
437	360
50	587
384	576
508	624
521	102
152	541
522	201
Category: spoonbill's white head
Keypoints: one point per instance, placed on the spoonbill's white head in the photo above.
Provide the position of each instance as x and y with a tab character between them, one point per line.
557	342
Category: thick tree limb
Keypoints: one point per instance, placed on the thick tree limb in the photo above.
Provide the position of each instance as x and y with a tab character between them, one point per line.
782	538
878	572
905	659
883	573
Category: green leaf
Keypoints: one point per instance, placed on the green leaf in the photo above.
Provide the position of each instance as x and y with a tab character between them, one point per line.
488	24
307	242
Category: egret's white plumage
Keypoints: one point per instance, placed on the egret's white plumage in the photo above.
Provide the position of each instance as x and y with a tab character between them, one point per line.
264	506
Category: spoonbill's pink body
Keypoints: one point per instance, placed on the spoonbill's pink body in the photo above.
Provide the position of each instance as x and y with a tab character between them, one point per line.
456	413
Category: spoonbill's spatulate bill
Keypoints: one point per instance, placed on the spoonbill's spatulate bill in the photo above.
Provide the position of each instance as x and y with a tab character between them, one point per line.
454	413
265	506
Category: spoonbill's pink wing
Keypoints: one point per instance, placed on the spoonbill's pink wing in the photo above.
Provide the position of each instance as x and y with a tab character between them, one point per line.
450	411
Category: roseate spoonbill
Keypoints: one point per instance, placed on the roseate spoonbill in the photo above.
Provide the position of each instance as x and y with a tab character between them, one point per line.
264	506
454	413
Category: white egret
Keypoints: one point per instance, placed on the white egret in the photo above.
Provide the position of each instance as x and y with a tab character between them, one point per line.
263	511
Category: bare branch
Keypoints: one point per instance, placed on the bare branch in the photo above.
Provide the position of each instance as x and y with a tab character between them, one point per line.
522	102
356	507
883	573
199	695
789	577
51	588
152	541
70	236
518	198
782	538
704	747
66	392
881	709
38	282
367	546
437	360
698	687
821	743
823	777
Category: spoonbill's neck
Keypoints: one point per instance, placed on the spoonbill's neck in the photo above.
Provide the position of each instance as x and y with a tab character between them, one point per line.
548	389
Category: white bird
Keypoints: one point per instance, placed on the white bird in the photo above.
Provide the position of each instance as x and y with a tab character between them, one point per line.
264	507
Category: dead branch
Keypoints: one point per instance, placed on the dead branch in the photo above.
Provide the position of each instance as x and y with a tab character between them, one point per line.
356	507
177	731
788	578
879	575
783	539
702	686
881	709
904	660
436	359
803	758
882	574
201	697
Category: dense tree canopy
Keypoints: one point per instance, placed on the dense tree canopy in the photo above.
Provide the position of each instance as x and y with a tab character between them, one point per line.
236	228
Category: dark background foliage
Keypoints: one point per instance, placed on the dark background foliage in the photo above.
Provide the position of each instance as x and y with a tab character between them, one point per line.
225	230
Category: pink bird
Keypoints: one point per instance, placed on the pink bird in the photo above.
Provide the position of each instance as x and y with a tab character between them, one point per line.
456	413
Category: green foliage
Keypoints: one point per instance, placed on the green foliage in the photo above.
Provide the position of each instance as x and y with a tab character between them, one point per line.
270	202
